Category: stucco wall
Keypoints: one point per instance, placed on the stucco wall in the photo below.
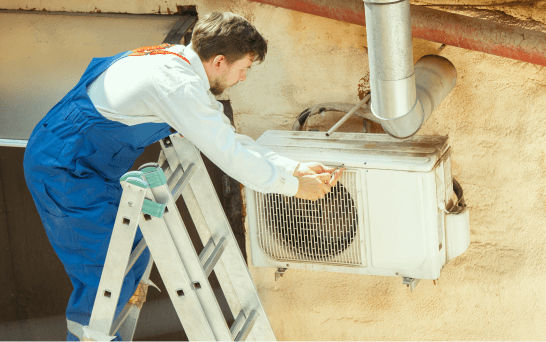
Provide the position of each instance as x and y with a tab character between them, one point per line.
52	53
495	119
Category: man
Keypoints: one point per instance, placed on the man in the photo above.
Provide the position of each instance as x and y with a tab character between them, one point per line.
79	150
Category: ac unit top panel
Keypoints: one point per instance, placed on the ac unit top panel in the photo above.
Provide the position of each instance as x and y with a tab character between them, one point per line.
374	151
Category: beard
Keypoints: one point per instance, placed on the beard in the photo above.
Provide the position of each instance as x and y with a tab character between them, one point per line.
217	87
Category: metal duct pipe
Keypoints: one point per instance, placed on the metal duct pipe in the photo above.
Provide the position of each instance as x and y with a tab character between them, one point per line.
435	77
398	105
392	79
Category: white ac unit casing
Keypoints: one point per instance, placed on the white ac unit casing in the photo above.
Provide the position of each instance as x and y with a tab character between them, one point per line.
389	214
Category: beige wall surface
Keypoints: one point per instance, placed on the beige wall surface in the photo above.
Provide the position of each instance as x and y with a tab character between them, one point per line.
43	56
496	123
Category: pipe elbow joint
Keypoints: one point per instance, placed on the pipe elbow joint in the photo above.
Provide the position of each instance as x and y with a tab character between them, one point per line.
405	126
435	77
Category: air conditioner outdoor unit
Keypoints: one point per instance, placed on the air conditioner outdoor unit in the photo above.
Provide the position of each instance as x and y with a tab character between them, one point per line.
389	214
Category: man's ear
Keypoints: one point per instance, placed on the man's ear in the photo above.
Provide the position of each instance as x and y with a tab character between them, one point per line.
218	60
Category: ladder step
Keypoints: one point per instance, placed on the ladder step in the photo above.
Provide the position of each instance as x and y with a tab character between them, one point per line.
247	327
179	187
209	247
214	256
164	163
174	175
238	323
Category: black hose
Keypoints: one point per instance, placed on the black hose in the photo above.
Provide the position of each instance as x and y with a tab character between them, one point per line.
460	205
320	108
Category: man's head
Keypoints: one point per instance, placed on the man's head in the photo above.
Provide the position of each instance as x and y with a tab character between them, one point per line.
227	45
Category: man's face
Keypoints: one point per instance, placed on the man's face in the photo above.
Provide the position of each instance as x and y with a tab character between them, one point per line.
228	75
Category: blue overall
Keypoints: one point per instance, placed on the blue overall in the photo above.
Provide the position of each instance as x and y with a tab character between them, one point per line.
73	162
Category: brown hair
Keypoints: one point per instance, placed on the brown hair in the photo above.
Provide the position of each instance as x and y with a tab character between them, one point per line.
227	34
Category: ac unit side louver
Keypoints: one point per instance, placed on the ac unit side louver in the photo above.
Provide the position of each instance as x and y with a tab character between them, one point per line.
388	214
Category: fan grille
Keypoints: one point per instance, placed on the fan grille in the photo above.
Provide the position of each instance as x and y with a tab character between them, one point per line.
323	231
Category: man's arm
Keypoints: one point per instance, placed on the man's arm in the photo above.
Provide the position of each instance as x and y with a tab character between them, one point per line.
191	112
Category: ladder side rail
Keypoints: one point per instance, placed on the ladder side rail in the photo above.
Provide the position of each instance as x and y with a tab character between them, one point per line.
175	277
204	234
232	258
117	258
193	265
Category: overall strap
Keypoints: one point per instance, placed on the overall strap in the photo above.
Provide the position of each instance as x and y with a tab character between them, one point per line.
156	50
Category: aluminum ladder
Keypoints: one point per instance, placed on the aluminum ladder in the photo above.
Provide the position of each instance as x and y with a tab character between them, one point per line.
148	201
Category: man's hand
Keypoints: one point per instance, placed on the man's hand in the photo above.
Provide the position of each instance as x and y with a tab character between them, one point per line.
305	169
315	185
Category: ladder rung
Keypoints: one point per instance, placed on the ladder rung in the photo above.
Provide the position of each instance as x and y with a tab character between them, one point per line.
236	326
163	162
247	327
179	187
206	251
214	256
174	175
135	254
165	166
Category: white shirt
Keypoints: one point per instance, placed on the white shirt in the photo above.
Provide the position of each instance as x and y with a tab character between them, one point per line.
165	88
